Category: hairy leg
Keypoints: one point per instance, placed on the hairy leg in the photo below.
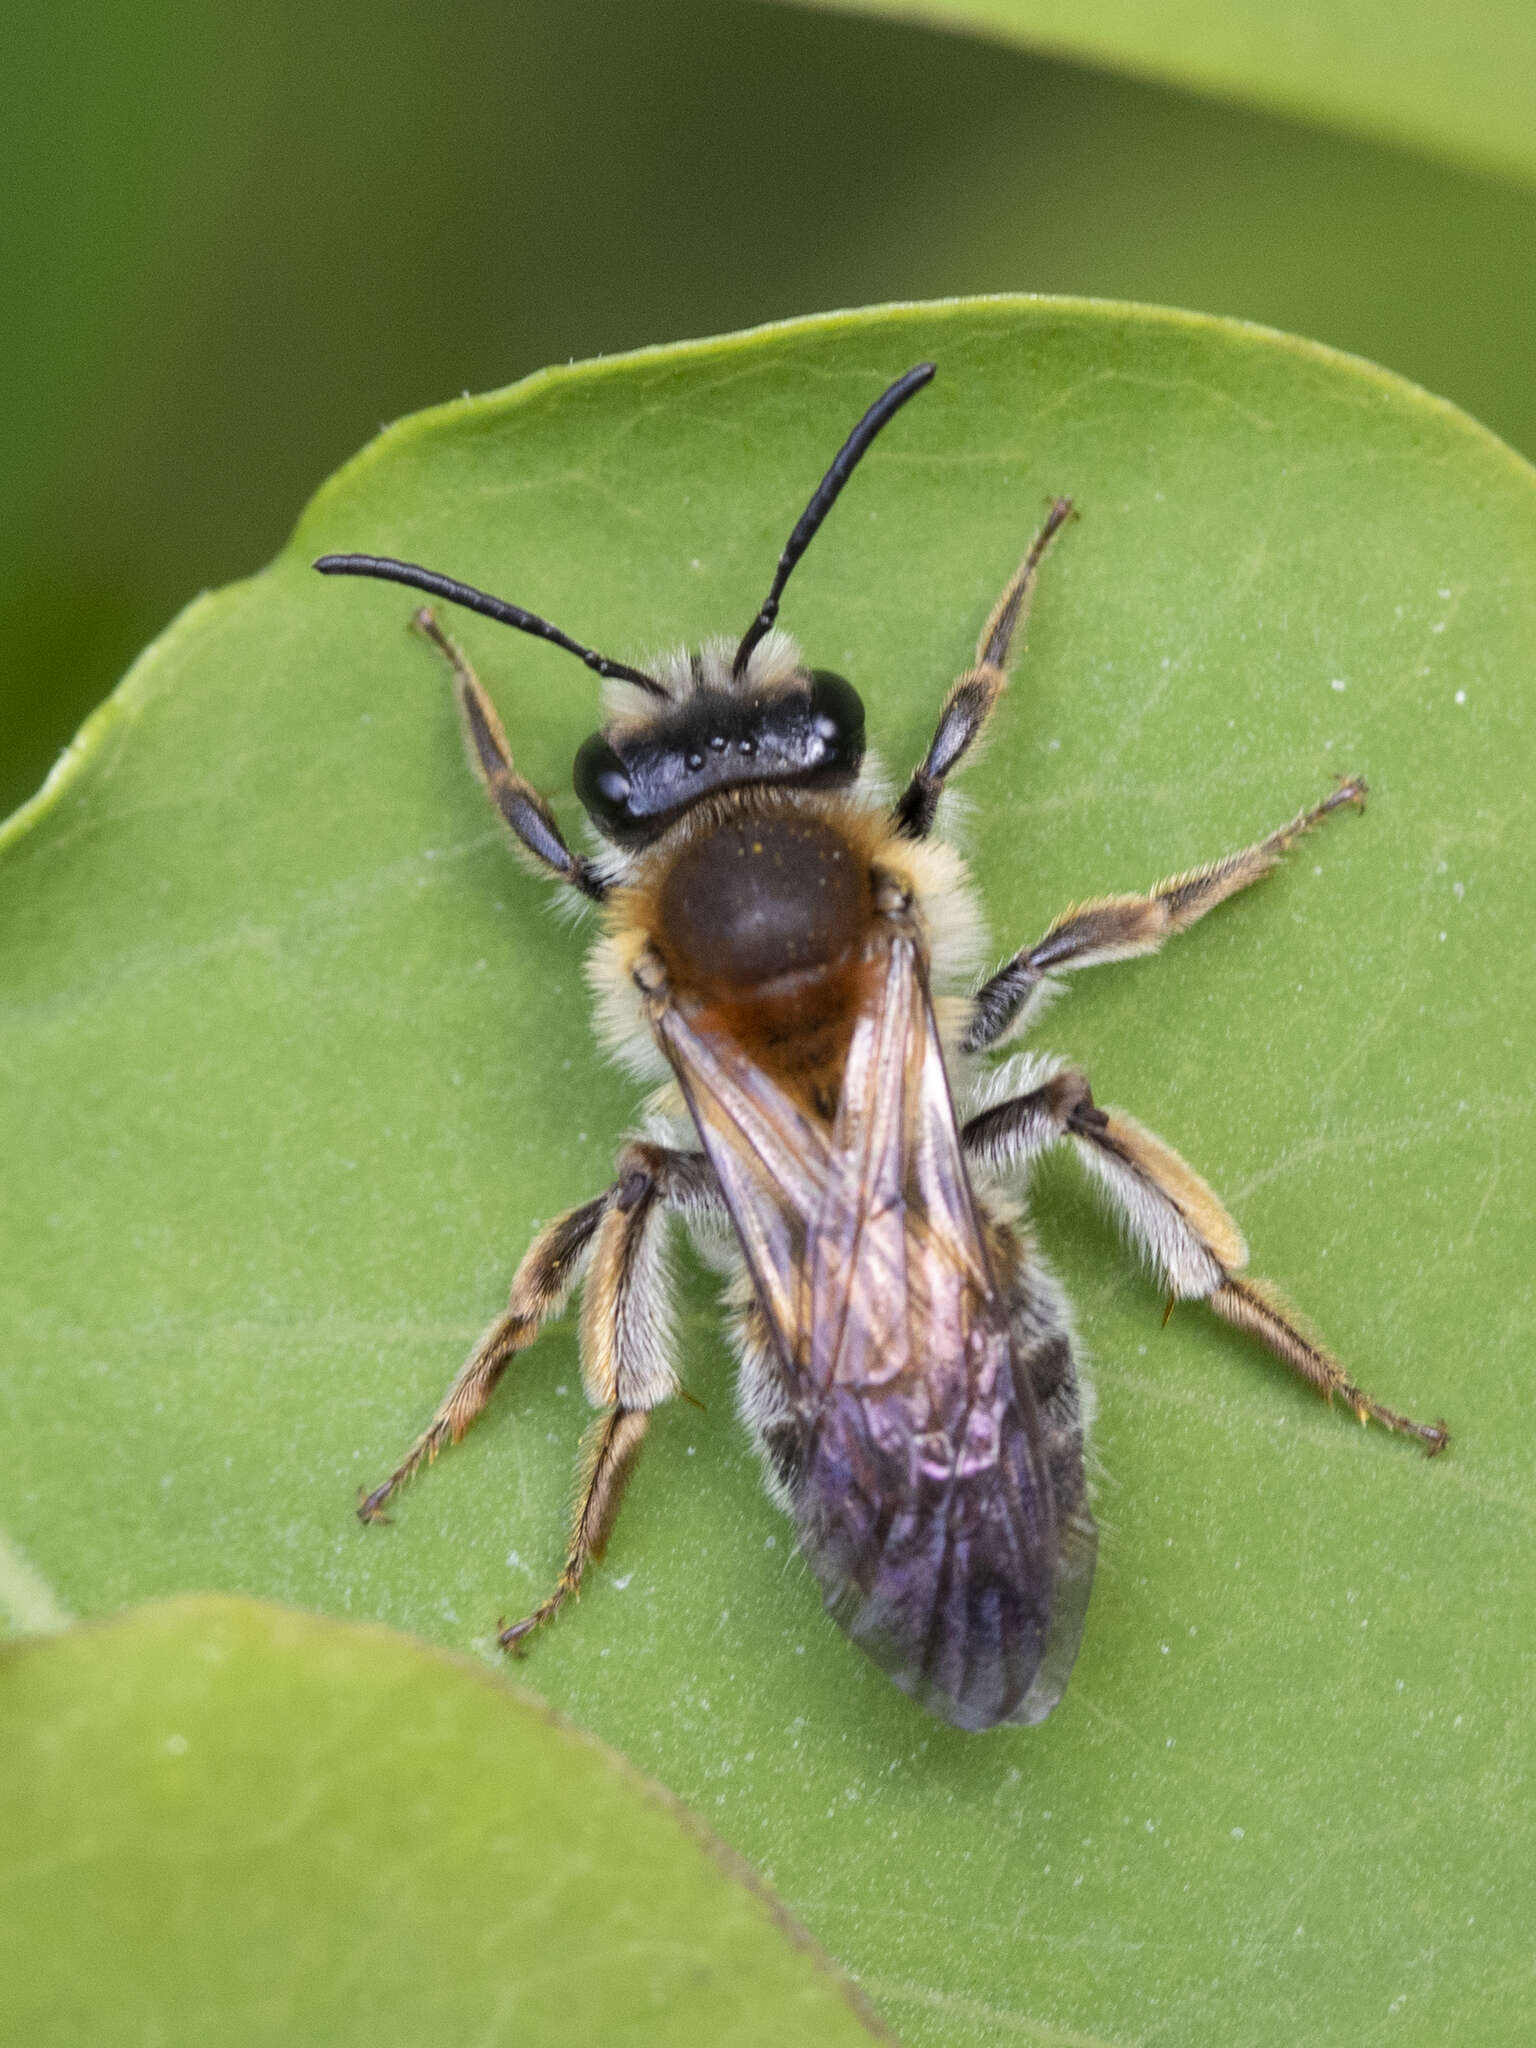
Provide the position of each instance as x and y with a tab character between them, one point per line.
973	695
1175	1220
1124	927
626	1330
541	1286
526	814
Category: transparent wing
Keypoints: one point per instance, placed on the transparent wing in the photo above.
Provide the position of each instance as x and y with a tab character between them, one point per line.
769	1158
919	1487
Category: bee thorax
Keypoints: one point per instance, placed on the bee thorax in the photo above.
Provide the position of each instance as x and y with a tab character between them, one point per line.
759	898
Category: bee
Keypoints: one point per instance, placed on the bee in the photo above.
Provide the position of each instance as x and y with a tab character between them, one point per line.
781	946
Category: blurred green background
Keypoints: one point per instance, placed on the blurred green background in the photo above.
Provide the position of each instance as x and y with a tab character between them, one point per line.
238	239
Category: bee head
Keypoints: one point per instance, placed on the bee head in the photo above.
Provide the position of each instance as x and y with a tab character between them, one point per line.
755	716
789	725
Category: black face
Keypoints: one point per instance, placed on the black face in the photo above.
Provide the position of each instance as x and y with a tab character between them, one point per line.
807	738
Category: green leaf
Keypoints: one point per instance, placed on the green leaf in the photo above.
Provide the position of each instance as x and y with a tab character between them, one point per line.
223	1821
1457	82
298	1057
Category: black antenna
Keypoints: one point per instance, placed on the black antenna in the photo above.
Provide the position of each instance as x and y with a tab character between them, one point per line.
414	578
844	464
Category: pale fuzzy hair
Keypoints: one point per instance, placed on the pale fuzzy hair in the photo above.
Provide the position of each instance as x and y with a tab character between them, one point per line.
774	666
1021	1075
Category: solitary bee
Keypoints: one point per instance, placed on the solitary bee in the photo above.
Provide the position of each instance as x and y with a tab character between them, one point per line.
787	944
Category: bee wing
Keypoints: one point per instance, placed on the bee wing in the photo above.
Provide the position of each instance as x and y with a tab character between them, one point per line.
769	1158
925	1507
918	1482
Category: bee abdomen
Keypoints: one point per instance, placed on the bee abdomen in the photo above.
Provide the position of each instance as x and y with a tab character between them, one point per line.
947	1582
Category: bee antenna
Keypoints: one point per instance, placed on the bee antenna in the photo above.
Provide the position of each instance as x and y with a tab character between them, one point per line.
414	578
844	463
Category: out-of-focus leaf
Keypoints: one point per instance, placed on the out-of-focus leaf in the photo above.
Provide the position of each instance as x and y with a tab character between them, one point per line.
1457	81
224	1821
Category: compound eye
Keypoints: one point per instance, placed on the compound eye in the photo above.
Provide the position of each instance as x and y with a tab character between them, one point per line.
837	716
602	782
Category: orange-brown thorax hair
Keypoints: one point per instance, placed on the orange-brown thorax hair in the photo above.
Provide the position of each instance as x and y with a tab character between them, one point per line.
762	912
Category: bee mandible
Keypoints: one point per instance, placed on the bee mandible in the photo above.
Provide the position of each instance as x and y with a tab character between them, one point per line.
782	949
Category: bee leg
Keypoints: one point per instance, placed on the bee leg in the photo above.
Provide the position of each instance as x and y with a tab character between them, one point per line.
1255	1306
1123	927
1197	1251
1010	1135
1177	1222
626	1356
608	1458
550	1268
973	695
526	813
